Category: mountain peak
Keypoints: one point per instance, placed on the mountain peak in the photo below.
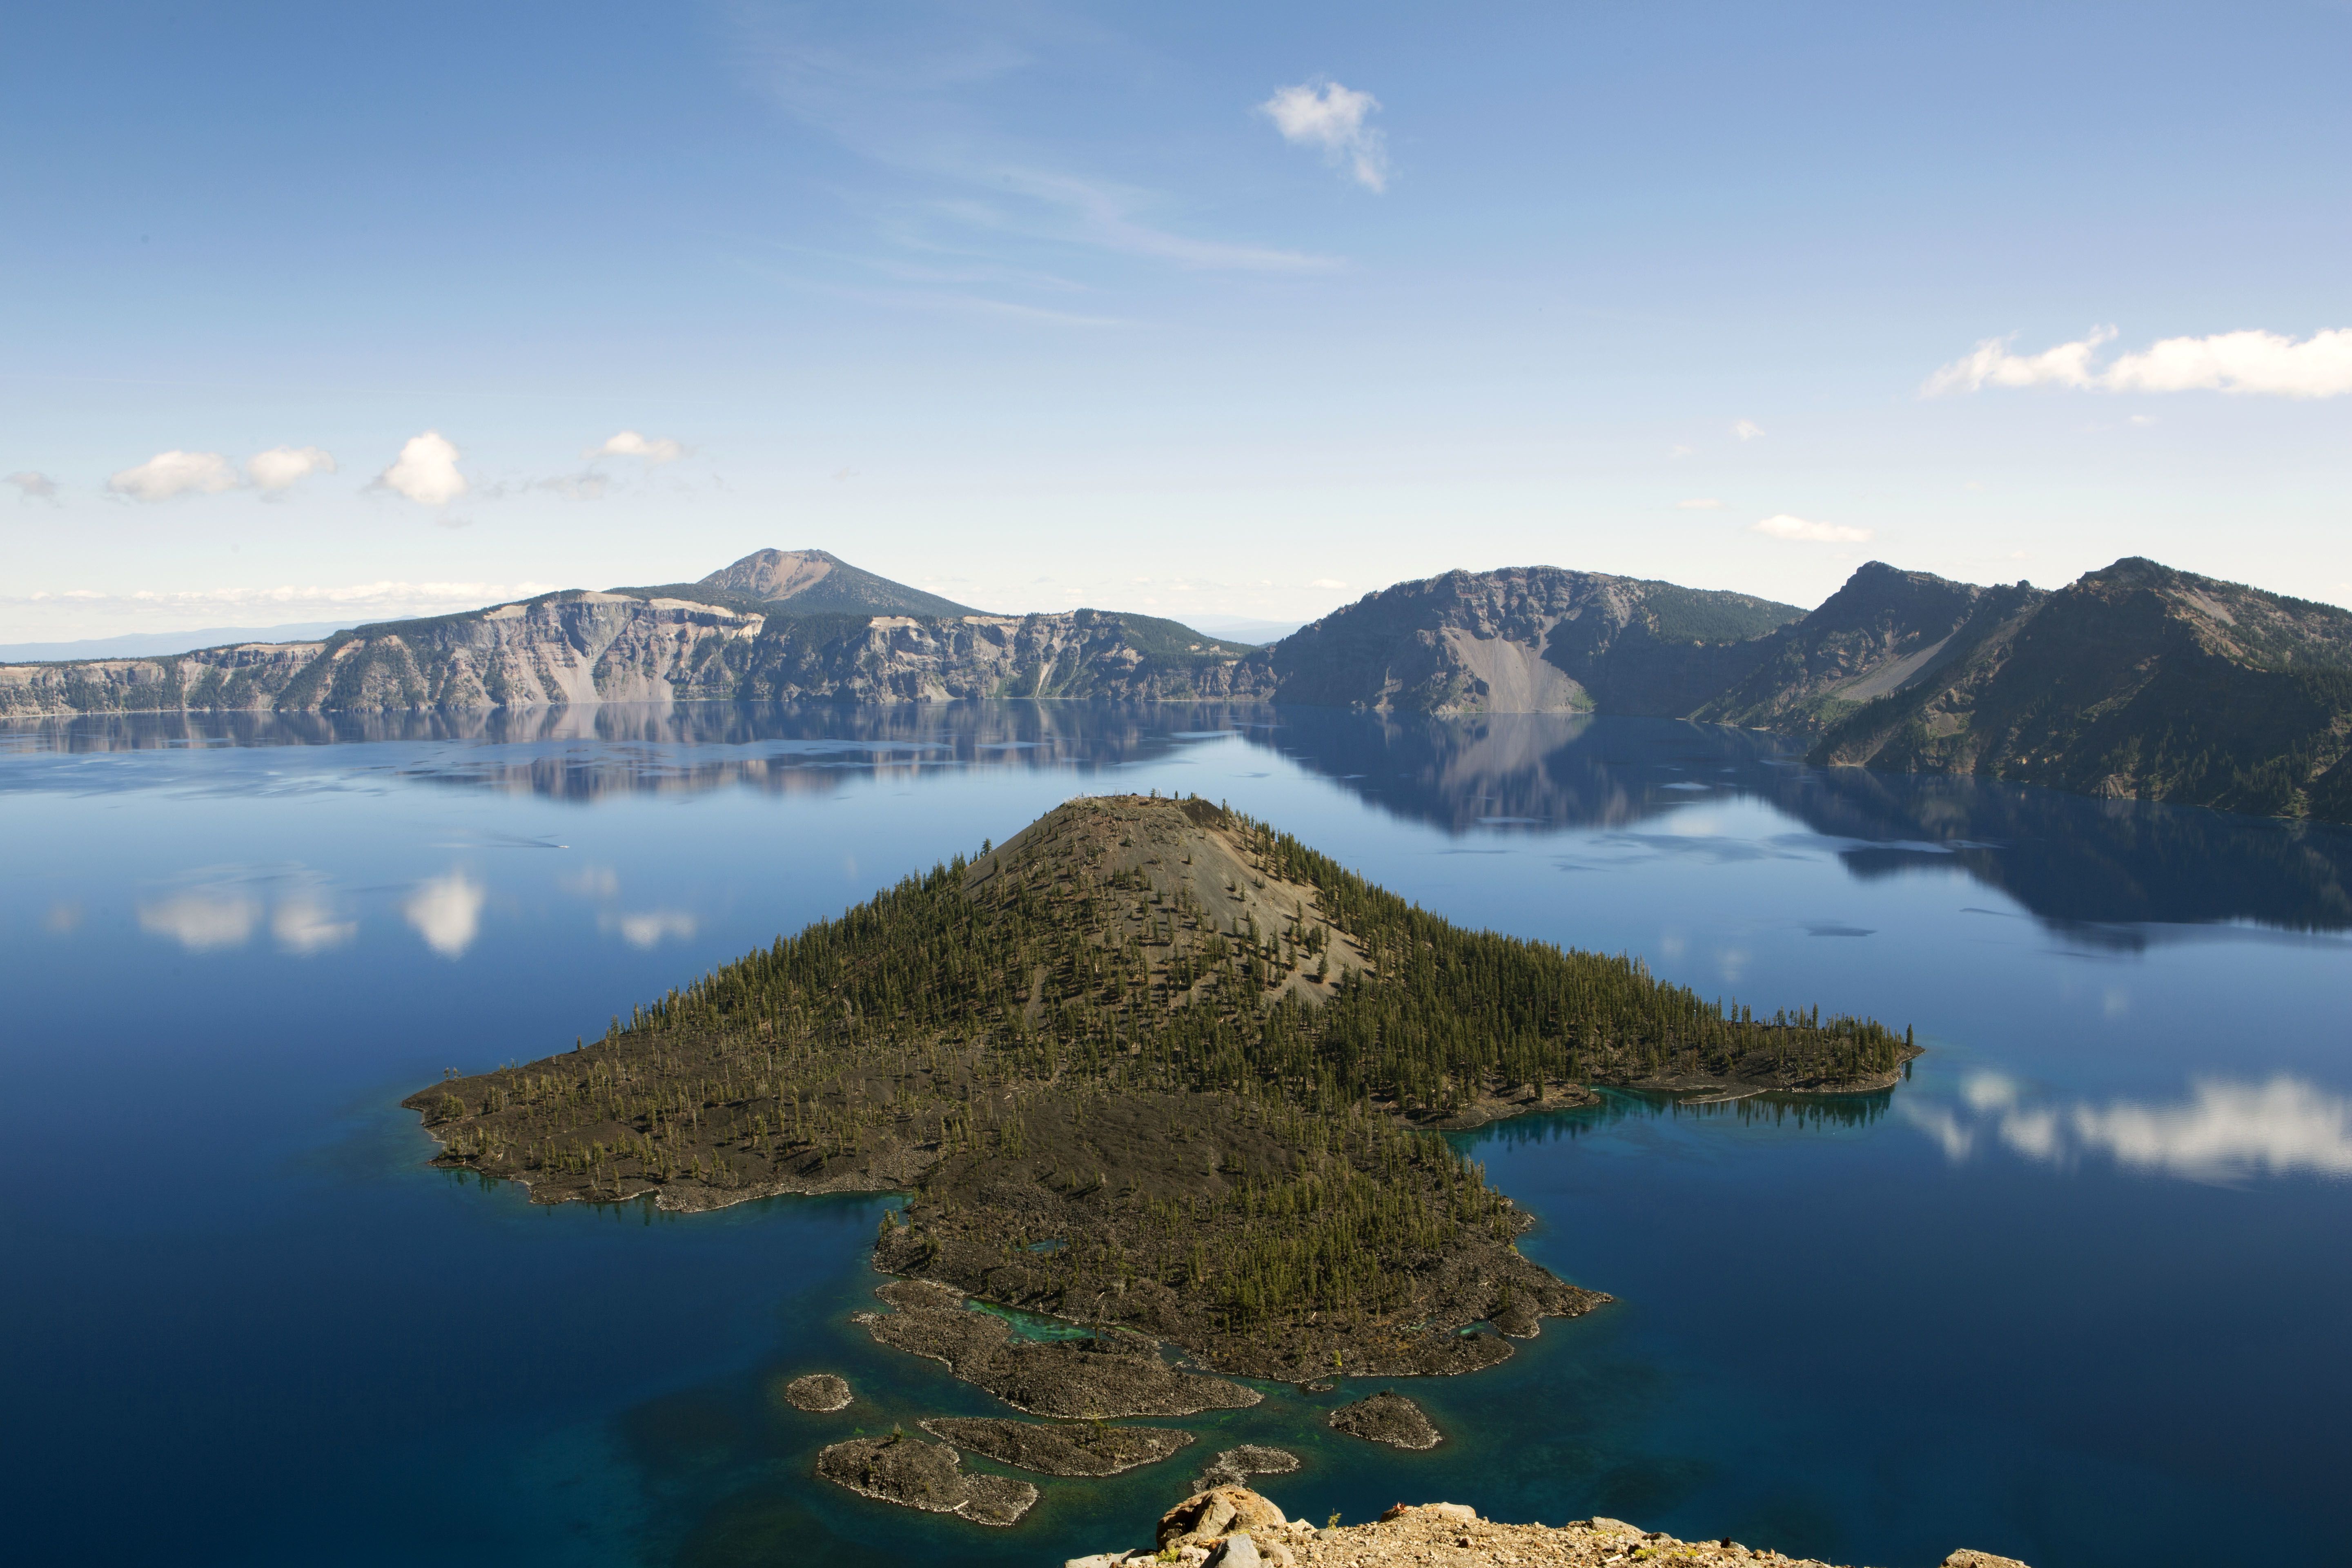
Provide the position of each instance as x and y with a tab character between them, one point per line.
817	581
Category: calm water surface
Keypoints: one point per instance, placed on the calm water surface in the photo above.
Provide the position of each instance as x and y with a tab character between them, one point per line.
2076	1293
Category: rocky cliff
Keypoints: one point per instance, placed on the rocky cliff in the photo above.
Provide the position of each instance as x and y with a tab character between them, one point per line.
2134	682
576	648
2137	682
1527	639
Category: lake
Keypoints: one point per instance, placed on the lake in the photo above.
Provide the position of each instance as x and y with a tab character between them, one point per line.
2074	1292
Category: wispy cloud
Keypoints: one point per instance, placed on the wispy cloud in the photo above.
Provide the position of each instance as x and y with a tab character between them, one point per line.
2247	363
1106	215
1783	525
924	104
33	486
1746	429
1322	113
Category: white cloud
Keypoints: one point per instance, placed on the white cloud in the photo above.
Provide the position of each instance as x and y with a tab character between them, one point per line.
1746	429
168	474
650	927
447	913
1329	116
2258	363
425	471
1703	504
1331	583
201	921
1781	526
33	486
281	467
629	443
304	924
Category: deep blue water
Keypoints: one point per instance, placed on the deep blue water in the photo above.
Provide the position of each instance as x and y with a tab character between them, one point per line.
2076	1293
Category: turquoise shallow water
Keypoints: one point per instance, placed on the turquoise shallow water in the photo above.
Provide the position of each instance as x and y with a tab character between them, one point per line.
2073	1293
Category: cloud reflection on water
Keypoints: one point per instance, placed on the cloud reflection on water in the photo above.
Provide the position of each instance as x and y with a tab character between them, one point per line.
2226	1129
202	920
447	913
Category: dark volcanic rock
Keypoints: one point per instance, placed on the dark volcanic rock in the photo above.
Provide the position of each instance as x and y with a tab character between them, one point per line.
928	1475
819	1392
1387	1417
1235	1467
1058	1449
1112	1374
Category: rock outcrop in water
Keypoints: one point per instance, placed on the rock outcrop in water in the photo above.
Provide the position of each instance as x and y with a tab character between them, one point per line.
820	1393
928	1475
1388	1418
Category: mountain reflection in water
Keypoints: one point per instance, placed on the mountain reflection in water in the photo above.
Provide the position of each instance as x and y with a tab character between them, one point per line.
2112	875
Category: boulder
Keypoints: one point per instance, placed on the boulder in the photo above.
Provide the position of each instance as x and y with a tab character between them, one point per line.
1205	1516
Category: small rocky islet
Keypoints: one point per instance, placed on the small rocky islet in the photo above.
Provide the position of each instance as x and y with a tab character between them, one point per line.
1388	1418
818	1393
1153	1069
928	1475
1236	1466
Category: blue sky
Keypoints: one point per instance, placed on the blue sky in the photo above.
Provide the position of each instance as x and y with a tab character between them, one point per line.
1040	305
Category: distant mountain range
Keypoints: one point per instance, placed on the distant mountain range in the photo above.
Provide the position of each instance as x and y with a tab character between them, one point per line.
2137	681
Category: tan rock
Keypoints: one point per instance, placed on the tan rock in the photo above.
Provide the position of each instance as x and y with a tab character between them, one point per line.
1208	1516
1967	1557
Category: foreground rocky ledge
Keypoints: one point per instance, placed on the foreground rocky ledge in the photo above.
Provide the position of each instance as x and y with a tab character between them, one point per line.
1233	1527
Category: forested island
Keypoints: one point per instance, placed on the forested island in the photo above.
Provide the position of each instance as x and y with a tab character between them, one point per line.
1153	1067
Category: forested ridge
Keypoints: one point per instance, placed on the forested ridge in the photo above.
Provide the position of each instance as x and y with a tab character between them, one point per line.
1151	1063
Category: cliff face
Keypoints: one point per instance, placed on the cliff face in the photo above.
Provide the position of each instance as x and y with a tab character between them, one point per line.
1887	630
1528	639
2137	682
571	648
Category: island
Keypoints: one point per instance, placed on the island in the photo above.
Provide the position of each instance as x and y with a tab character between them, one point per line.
1153	1067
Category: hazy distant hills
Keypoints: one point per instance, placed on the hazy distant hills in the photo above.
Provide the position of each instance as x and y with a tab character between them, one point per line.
2134	682
149	644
